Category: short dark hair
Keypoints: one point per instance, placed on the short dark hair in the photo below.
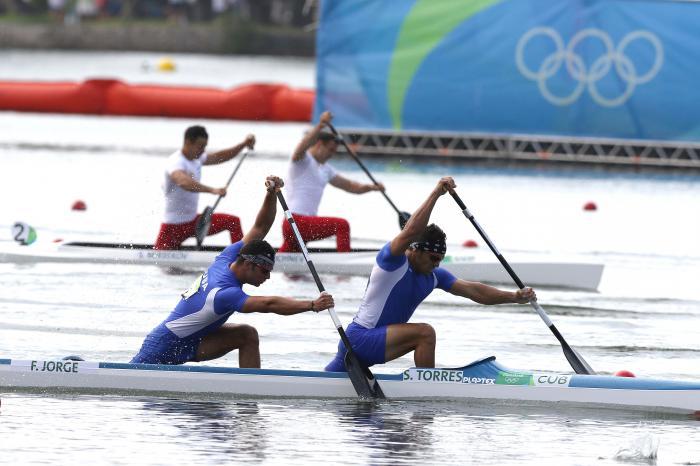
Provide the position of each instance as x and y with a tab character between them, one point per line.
257	247
194	132
327	135
433	234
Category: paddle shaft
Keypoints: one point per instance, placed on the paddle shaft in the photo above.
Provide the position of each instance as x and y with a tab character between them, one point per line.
230	178
312	267
362	165
364	381
204	221
577	362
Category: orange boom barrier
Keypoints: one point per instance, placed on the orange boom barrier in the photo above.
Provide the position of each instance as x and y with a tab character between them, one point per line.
265	102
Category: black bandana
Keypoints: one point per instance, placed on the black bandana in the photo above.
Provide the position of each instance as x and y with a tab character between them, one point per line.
431	246
264	261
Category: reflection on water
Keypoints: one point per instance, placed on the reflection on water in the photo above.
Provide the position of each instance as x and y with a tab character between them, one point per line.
137	430
388	429
391	432
237	428
242	429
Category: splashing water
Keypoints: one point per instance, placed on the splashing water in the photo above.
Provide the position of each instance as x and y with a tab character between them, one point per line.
643	448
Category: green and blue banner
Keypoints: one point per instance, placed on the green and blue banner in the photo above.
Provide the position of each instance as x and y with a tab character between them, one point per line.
587	68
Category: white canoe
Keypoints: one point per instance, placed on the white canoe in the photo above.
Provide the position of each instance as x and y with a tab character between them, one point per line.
575	275
482	380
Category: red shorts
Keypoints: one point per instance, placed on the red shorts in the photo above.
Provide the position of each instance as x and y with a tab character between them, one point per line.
171	235
315	228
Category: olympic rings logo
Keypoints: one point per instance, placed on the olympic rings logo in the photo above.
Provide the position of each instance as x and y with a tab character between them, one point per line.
512	380
576	67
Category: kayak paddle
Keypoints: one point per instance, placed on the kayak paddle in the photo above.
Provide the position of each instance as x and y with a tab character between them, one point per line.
204	220
579	365
361	377
403	216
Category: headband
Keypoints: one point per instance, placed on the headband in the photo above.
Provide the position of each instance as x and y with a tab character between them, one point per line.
431	246
259	259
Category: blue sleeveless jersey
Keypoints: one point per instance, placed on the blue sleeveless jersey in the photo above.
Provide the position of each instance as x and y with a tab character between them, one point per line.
393	293
394	290
206	306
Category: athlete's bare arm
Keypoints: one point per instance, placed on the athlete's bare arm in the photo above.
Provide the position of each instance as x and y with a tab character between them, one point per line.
186	182
268	210
311	137
287	306
419	220
227	154
340	182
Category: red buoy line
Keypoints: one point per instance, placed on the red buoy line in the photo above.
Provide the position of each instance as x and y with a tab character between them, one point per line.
263	102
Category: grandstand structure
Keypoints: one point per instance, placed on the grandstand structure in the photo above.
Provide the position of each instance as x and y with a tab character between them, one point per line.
533	148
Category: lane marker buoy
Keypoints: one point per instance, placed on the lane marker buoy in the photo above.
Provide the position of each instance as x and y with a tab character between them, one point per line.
79	205
590	206
23	233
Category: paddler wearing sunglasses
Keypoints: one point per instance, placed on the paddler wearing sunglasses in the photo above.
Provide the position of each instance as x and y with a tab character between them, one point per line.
196	330
406	271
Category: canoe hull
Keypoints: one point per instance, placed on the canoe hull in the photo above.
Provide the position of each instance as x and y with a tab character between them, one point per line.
584	276
481	380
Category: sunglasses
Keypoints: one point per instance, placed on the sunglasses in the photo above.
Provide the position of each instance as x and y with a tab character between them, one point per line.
264	268
435	257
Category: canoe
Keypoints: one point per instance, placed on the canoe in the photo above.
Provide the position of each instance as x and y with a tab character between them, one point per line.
359	262
484	379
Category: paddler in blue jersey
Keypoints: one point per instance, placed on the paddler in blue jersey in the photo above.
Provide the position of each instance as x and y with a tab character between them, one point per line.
196	330
405	273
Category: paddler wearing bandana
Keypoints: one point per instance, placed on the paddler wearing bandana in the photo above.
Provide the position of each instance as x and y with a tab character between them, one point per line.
196	330
406	271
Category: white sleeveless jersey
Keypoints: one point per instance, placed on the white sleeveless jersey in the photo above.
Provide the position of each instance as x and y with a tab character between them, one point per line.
305	182
181	205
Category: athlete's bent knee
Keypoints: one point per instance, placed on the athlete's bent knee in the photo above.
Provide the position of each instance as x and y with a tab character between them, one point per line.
427	334
249	336
342	226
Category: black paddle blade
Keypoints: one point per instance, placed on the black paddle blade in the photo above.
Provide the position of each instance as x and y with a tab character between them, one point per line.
579	365
362	379
203	224
403	219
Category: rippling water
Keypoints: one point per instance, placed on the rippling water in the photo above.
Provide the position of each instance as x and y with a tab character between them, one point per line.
195	431
645	317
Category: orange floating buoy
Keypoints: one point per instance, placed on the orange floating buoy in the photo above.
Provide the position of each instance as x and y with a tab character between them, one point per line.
624	373
470	243
79	205
590	206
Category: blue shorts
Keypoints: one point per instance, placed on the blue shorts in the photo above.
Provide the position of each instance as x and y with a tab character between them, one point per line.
369	344
167	349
